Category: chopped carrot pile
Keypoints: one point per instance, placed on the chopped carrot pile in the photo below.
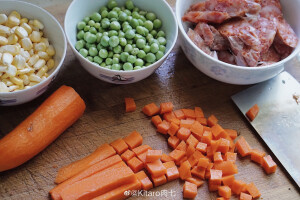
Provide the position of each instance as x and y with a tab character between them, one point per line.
201	149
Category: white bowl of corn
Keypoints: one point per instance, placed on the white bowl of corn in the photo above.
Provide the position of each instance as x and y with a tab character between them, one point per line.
32	49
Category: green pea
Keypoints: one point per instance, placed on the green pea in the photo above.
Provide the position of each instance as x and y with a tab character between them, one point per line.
149	37
143	18
135	15
162	40
79	44
159	55
154	48
90	58
112	14
83	52
121	34
91	23
147	64
90	38
127	66
153	33
105	41
86	28
141	22
98	60
112	33
104	13
134	23
115	60
151	16
129	5
139	62
93	51
118	49
105	23
123	42
110	54
129	41
113	20
103	8
105	33
153	41
150	58
103	64
122	16
157	24
140	43
97	25
103	53
126	28
86	19
129	18
135	51
137	68
93	30
128	12
161	34
96	17
143	13
141	54
108	61
115	25
99	36
114	41
147	49
81	25
148	25
88	45
128	48
108	67
162	48
117	56
136	9
80	35
129	34
140	30
101	30
112	4
116	67
99	47
131	59
124	56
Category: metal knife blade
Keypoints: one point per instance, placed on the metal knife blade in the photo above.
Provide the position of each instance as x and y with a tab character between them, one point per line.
278	121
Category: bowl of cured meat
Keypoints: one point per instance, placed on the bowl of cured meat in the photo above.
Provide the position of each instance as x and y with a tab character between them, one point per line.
239	41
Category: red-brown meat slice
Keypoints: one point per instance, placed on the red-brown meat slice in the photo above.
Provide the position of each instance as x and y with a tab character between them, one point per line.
282	49
219	42
206	16
198	41
286	34
226	57
203	29
270	9
270	56
200	6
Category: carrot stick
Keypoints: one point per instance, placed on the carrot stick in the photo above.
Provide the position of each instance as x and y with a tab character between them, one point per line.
101	153
55	192
145	180
130	105
41	128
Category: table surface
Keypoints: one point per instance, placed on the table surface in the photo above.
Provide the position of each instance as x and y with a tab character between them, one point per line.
177	80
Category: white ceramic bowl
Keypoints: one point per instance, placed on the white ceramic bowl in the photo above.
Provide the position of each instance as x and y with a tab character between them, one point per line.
54	32
234	74
82	8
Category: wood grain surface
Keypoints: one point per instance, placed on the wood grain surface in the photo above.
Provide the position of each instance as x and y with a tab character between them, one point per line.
177	80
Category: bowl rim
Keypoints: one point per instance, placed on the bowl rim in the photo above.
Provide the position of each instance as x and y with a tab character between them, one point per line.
262	68
122	72
62	57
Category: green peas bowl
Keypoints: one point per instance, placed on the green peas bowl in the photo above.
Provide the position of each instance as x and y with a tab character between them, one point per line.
121	41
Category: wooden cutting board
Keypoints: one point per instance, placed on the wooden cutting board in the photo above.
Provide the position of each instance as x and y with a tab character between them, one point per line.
105	120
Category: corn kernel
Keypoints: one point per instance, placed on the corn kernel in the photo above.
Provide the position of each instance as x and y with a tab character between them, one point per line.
42	71
50	50
23	20
3	18
12	49
3	35
33	60
3	87
26	44
35	36
21	32
11	71
12	21
27	87
43	55
25	54
46	41
25	79
12	39
34	78
27	28
16	80
19	61
3	40
4	76
40	47
3	68
25	71
4	29
7	59
12	88
38	24
39	64
31	52
15	14
50	64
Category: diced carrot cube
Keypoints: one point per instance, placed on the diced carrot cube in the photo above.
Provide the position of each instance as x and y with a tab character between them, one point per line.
218	132
144	180
130	105
202	121
194	158
212	120
192	141
127	155
173	129
166	158
189	113
252	112
199	112
177	155
135	164
179	162
141	149
172	171
206	137
169	116
209	153
224	191
218	157
176	121
228	180
183	133
232	133
203	162
156	120
207	172
229	156
201	147
190	150
159	180
223	145
182	146
189	190
187	123
269	165
173	141
198	172
150	109
253	191
119	145
179	114
197	130
245	196
257	156
166	107
214	145
163	127
243	147
185	170
156	168
212	187
142	157
196	181
227	167
215	176
134	139
153	155
237	186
